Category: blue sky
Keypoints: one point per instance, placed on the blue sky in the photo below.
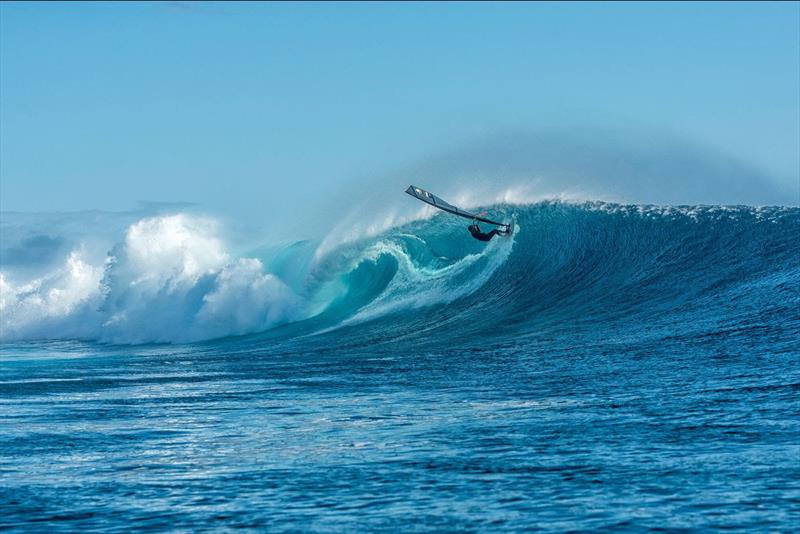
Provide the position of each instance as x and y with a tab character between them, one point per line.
252	108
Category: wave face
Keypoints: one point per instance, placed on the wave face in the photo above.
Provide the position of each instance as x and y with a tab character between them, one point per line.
678	271
593	269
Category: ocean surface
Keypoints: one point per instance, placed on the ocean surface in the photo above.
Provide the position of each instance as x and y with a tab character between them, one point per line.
608	368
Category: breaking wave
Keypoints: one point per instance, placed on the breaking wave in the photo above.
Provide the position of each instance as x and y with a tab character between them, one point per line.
170	278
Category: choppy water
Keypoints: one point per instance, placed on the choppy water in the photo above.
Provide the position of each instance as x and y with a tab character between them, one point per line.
609	368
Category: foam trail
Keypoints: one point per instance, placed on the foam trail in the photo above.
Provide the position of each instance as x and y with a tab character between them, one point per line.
416	287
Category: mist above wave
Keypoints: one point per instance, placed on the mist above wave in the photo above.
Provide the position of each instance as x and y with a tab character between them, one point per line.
624	166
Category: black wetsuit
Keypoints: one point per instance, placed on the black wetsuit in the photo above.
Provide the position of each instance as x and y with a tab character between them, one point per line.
475	230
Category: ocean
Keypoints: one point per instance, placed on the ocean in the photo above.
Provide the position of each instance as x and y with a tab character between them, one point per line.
609	367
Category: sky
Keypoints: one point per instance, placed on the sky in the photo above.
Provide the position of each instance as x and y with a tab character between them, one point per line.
253	109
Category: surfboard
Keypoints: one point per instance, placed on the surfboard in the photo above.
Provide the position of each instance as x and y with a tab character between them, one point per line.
437	202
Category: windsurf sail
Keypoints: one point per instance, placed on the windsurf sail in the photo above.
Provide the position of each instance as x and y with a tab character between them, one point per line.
433	200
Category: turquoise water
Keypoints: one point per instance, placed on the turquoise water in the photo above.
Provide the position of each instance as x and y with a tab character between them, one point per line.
610	367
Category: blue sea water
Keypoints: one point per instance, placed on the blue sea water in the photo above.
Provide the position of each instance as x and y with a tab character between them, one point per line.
608	368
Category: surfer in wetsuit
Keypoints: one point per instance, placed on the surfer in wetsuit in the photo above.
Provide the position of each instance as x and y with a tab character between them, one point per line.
475	230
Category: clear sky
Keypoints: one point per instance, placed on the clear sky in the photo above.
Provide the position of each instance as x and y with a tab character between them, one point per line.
250	108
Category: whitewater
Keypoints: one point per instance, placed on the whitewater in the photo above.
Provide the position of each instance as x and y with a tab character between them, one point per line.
610	366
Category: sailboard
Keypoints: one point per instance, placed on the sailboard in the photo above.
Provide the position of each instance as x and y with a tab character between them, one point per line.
433	200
